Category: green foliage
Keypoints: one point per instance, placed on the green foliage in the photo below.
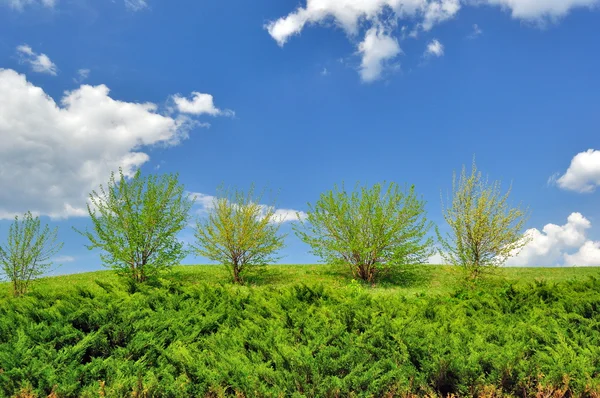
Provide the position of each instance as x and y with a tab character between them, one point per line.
303	340
371	230
28	252
484	230
239	232
136	223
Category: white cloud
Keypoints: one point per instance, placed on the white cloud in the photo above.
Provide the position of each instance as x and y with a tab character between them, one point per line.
583	175
356	16
345	13
436	259
63	259
285	215
39	62
377	45
20	4
52	155
434	48
206	202
136	5
82	74
376	49
539	9
439	11
554	245
588	255
199	104
476	32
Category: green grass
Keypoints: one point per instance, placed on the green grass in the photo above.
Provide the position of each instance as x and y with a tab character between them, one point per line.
429	279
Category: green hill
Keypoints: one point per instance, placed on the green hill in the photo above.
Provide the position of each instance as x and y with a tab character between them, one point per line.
431	279
304	331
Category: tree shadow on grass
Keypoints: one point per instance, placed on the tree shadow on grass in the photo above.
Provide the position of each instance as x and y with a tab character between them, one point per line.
405	277
213	275
412	276
267	275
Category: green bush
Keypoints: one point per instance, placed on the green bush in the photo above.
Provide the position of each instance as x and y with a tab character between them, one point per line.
301	341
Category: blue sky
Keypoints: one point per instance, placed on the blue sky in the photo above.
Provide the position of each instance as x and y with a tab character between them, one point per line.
297	97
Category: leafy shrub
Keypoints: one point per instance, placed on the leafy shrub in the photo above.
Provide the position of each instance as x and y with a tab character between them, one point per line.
303	341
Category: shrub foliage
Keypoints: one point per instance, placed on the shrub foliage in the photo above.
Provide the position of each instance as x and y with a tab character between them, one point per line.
302	341
136	222
484	229
239	232
372	230
28	252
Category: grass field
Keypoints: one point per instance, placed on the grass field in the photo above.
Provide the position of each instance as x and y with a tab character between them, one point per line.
430	279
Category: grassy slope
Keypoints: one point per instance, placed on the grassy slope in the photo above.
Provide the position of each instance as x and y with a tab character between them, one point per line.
242	339
428	279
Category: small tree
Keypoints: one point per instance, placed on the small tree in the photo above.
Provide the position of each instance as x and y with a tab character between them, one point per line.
239	232
28	251
371	230
484	230
136	223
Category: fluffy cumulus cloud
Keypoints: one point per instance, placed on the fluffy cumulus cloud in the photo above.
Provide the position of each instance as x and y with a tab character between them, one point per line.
376	49
206	202
374	17
436	259
583	175
53	154
587	255
434	49
40	63
559	245
199	104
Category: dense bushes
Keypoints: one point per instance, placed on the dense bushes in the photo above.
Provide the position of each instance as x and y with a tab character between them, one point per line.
177	341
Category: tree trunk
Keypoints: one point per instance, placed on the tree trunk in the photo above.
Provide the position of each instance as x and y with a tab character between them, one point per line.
366	273
236	274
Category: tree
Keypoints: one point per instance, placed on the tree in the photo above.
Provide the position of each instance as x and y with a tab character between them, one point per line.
28	251
136	223
371	230
239	232
484	230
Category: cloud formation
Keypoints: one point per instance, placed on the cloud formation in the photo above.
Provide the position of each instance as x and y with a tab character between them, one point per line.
434	48
206	202
588	255
199	104
63	259
376	49
21	4
136	5
476	32
82	74
539	10
53	154
559	245
40	63
583	175
378	18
